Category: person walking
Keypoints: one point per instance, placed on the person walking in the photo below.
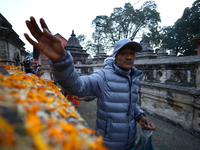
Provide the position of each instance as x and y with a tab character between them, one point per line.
116	86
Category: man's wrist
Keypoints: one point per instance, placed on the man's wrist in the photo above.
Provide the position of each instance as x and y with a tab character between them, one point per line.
139	117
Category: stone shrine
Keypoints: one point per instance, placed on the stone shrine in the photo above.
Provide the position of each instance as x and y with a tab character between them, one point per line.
162	53
147	51
80	56
12	49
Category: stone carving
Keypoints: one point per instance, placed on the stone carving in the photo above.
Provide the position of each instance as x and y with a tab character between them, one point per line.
3	55
16	58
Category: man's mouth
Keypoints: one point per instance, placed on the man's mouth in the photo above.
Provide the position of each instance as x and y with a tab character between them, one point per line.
128	63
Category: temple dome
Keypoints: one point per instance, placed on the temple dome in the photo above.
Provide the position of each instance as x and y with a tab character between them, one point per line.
73	42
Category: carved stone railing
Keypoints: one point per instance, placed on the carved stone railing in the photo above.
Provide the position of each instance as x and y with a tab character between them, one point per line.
170	89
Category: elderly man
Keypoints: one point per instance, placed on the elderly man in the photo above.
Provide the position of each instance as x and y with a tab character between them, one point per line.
116	86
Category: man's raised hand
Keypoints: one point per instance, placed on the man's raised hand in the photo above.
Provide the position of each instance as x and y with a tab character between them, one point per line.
48	44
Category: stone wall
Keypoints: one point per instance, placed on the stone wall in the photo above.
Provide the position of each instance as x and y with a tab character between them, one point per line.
9	53
12	49
170	90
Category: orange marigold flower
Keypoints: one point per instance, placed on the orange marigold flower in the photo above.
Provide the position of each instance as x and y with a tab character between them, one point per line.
6	83
15	94
12	66
33	123
44	98
72	114
7	137
39	142
57	134
50	122
62	112
33	108
32	95
7	67
67	127
20	67
1	76
86	130
42	88
1	98
18	85
27	77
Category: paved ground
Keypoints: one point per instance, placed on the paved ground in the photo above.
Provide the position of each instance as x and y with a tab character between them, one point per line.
165	137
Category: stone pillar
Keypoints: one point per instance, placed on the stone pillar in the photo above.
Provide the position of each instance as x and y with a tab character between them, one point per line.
162	53
198	77
197	42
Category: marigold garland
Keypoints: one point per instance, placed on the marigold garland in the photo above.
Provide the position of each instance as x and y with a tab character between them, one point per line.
45	119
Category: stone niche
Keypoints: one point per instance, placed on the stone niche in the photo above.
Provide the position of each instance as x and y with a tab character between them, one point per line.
170	89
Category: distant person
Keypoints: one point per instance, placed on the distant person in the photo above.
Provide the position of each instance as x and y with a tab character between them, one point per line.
116	86
39	72
34	70
27	65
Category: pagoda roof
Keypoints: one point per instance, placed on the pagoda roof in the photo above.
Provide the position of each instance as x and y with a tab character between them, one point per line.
73	43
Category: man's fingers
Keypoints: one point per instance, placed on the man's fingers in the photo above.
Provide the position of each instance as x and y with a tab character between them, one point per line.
32	30
31	41
152	127
50	36
36	27
44	25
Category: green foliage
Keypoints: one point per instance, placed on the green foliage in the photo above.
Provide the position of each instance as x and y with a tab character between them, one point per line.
125	22
178	36
197	36
91	47
82	39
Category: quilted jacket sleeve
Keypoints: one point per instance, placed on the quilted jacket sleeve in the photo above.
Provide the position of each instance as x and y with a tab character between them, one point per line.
138	111
67	77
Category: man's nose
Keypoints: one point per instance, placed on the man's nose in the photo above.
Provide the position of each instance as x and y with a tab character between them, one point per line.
128	56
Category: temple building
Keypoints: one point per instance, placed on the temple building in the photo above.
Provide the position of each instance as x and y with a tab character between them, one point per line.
12	50
80	56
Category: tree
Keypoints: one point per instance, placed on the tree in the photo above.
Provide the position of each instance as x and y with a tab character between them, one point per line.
91	47
178	36
125	22
82	38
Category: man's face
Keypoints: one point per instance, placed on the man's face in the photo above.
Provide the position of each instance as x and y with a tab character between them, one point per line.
125	58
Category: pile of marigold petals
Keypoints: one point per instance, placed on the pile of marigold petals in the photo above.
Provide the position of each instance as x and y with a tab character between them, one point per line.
44	119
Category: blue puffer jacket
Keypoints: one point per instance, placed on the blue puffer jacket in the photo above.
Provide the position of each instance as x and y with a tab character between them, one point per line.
117	93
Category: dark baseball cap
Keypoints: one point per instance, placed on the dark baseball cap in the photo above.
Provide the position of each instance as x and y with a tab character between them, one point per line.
126	42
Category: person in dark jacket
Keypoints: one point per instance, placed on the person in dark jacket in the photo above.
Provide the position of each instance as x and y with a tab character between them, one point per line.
116	86
27	65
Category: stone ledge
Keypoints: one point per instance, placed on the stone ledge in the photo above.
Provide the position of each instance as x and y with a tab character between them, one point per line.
169	61
189	90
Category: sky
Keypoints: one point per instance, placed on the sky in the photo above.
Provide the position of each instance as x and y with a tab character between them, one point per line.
63	16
